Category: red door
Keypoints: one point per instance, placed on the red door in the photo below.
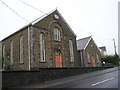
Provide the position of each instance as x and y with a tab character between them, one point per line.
93	62
58	61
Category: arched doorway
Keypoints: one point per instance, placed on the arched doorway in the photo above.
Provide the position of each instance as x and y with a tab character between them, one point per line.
58	59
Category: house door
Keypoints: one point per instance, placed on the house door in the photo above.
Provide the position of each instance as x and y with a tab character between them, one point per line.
93	62
58	60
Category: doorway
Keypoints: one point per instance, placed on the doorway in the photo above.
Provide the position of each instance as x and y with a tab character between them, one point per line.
58	59
93	62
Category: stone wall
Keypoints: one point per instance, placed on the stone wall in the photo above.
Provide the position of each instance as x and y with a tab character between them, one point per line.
92	50
16	50
45	26
19	78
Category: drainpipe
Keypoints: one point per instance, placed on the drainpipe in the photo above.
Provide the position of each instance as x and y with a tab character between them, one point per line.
29	47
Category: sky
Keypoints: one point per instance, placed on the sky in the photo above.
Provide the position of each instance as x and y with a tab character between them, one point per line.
98	18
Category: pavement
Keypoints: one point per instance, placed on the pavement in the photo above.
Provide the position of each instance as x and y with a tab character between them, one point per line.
107	78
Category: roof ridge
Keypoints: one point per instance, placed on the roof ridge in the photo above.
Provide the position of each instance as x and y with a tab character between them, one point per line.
43	16
84	38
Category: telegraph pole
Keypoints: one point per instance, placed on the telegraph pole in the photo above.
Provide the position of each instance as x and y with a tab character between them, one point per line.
114	46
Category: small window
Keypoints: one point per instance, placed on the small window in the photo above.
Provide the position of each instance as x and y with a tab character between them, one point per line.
21	49
88	57
71	51
97	58
42	47
57	34
82	61
11	52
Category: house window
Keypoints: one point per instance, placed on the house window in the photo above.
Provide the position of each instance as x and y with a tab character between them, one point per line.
97	58
88	57
82	61
3	55
11	52
42	47
57	34
71	51
21	49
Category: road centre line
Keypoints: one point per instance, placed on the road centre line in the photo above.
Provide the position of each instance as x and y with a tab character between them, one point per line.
102	81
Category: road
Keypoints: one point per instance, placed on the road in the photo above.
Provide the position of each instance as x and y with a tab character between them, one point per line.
98	79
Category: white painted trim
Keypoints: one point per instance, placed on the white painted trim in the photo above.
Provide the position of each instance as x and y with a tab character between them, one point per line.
42	47
96	45
93	42
29	47
87	43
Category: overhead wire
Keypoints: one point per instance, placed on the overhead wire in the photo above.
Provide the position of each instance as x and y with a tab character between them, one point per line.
14	11
46	14
91	33
32	6
71	26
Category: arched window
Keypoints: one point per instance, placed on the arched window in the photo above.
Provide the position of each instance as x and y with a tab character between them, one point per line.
57	36
71	51
42	47
88	57
11	52
97	58
21	49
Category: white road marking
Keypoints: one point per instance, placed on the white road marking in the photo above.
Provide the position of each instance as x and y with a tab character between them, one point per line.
102	81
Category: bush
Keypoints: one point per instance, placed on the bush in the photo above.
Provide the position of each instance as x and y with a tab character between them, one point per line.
111	59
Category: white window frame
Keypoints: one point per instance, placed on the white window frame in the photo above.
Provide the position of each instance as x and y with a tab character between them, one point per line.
42	47
97	58
21	49
71	51
57	36
11	52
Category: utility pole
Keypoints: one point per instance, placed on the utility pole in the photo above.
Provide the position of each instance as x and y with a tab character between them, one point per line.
114	46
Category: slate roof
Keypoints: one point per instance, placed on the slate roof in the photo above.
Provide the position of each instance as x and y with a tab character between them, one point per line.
81	43
103	48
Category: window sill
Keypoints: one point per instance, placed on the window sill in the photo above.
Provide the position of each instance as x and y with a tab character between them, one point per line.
57	41
42	61
21	63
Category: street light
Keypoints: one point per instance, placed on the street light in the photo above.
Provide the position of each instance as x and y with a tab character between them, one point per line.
103	62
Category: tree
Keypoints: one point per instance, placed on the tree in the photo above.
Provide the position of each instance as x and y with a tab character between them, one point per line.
114	60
